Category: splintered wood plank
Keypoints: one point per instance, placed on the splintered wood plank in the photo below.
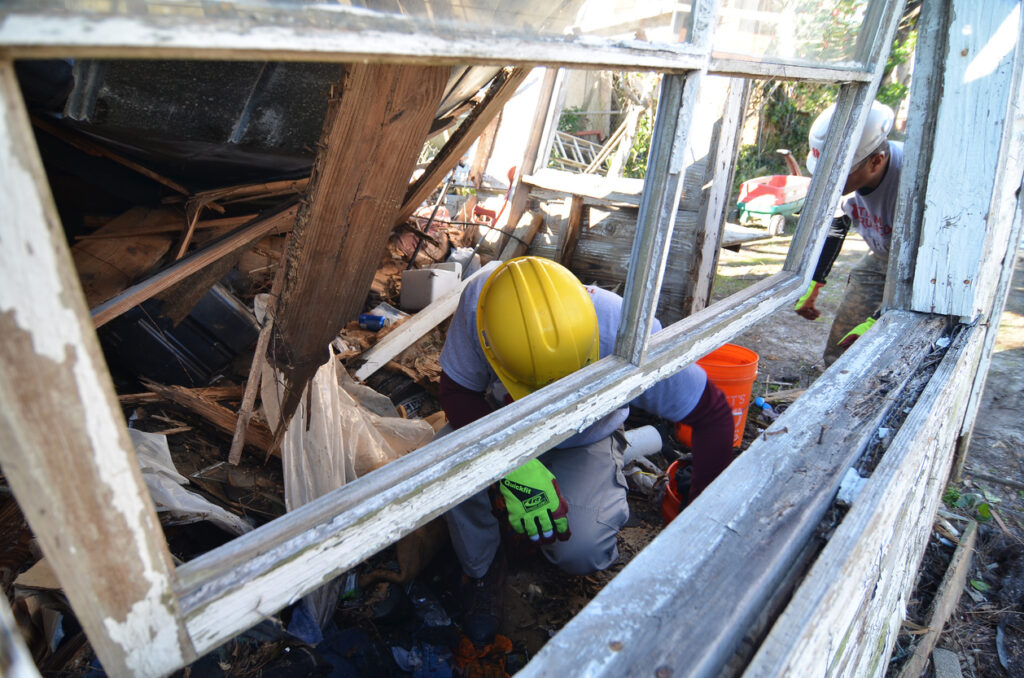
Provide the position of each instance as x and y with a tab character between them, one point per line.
107	266
218	416
372	135
64	447
501	90
227	244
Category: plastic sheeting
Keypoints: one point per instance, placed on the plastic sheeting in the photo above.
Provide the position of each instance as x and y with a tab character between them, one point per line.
333	439
166	487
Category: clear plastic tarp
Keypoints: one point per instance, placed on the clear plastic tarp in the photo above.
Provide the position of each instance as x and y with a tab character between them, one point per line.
813	31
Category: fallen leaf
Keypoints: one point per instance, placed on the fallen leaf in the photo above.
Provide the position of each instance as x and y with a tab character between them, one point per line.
980	585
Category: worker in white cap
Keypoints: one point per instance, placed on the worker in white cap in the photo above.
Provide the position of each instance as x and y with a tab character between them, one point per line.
869	205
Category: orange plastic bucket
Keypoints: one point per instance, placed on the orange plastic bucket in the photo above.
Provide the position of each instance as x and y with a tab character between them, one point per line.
733	369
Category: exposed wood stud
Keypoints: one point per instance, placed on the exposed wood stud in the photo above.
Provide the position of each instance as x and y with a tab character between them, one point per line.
373	133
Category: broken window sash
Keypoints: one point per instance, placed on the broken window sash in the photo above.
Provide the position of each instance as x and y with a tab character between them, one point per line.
231	588
651	38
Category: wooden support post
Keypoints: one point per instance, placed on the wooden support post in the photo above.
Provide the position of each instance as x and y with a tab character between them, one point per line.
541	123
252	384
520	239
501	90
571	234
63	443
372	135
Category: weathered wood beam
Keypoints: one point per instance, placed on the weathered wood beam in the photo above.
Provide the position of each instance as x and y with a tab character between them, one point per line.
571	231
959	239
520	239
213	393
500	91
302	33
722	558
64	447
373	132
221	418
844	618
227	244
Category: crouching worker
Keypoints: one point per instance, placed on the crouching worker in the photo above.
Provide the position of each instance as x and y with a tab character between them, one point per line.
528	324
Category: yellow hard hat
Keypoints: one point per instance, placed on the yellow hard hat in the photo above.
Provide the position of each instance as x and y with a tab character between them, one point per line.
536	323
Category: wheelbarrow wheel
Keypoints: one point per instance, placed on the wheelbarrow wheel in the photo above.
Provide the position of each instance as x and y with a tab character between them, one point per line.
776	225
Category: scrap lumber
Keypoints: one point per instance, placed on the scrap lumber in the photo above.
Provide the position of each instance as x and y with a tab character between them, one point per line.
947	598
107	267
415	327
501	90
227	244
266	189
213	393
220	417
252	385
373	133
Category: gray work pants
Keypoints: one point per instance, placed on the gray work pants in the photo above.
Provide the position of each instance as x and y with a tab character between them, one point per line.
862	297
591	480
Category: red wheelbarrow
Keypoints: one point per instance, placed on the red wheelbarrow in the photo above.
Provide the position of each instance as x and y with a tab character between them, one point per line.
769	200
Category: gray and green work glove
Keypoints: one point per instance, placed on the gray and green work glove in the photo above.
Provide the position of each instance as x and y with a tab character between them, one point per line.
535	505
855	333
805	304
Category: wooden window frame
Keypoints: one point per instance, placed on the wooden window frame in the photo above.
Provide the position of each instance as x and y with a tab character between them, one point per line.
193	608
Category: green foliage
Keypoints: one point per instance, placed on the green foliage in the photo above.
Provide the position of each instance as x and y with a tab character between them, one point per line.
979	585
951	496
636	165
785	111
571	120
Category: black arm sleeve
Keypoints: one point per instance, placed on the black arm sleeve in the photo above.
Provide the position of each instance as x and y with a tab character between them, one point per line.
833	244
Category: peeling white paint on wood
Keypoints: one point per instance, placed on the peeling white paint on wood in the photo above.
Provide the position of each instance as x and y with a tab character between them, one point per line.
979	94
35	294
844	618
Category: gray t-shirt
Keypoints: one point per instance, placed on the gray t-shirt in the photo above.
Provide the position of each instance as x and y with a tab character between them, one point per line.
873	214
463	360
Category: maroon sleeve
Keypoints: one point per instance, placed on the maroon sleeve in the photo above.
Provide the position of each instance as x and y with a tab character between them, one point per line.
462	405
711	441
